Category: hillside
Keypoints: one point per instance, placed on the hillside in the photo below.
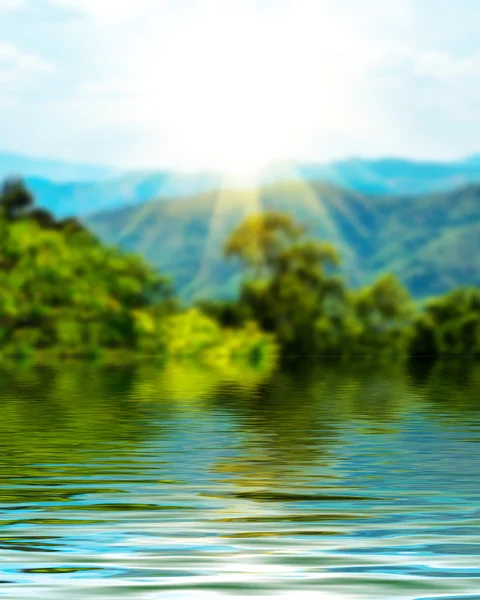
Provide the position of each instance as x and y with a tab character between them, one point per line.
69	189
59	171
378	177
64	294
81	198
389	176
432	242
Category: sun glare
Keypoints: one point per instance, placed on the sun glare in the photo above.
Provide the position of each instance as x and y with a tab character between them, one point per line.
237	130
225	99
244	160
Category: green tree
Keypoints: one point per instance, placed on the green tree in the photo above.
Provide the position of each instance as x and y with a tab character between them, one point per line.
60	288
292	289
15	199
449	325
384	311
259	241
62	292
291	284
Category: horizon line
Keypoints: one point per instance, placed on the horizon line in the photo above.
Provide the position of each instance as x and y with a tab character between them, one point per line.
196	170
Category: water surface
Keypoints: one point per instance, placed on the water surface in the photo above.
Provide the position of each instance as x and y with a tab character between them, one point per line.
343	482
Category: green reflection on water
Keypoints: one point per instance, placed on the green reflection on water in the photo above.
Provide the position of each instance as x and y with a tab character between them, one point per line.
126	474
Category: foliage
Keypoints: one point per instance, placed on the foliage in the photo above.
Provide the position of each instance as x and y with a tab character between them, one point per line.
449	325
15	199
69	292
64	293
295	293
384	314
260	240
292	290
430	243
195	335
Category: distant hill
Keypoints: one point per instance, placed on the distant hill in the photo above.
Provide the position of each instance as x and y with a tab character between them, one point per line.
71	189
384	176
431	242
82	198
417	219
53	170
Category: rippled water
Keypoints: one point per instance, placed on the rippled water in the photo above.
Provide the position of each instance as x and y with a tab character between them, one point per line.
346	482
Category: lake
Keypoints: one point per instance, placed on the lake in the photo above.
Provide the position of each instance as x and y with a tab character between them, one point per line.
343	481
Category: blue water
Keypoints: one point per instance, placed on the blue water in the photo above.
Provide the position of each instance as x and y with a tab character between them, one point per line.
339	482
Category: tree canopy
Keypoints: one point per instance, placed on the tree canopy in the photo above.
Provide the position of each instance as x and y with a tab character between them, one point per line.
292	288
62	290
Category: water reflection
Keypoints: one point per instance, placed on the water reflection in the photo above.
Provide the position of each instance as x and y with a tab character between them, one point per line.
356	481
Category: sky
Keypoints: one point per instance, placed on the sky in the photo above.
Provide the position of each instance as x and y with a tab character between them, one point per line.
237	84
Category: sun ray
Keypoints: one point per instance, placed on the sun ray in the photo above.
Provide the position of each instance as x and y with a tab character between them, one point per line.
316	200
361	168
230	207
179	180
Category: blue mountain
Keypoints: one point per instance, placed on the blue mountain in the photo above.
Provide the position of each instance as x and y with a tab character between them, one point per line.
54	170
69	189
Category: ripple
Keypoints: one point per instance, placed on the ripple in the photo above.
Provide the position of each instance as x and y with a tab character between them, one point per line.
341	484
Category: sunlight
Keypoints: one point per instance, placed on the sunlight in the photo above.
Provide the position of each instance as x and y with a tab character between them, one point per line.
232	204
229	208
254	103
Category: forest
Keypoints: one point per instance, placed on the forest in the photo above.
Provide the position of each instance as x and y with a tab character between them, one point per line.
64	293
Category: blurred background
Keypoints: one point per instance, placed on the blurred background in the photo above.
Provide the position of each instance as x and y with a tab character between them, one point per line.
308	169
239	299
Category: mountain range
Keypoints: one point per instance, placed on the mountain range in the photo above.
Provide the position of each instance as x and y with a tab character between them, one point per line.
74	189
385	175
419	220
55	170
431	242
69	189
65	199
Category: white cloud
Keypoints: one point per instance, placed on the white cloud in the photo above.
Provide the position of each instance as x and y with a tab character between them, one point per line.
7	5
18	67
226	82
107	11
207	81
442	65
